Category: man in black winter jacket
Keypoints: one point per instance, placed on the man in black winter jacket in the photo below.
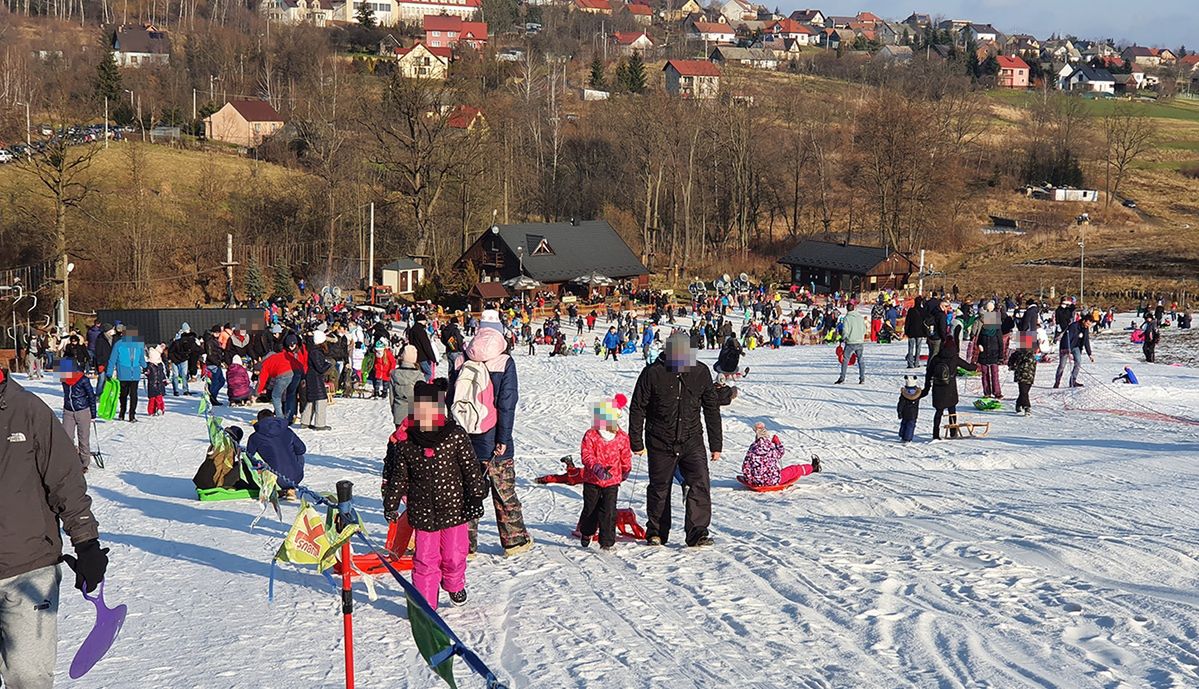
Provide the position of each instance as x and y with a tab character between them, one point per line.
418	336
915	330
42	492
1030	322
664	419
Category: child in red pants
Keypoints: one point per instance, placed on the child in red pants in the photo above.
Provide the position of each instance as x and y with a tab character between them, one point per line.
761	465
435	469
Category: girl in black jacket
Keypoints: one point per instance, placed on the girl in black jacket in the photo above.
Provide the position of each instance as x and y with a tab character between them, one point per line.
942	379
432	464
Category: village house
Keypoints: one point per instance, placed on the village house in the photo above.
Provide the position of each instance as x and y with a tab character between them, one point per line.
894	54
783	48
422	62
449	31
629	42
1061	50
814	18
415	11
141	46
315	12
692	78
981	33
954	26
785	29
684	10
1148	57
592	6
642	14
736	11
1013	72
243	123
555	254
746	57
466	117
711	32
832	39
918	22
834	22
403	276
826	267
1089	79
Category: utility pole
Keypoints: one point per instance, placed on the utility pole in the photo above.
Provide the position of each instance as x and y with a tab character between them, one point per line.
229	263
64	324
921	285
193	106
1082	258
105	122
28	127
370	256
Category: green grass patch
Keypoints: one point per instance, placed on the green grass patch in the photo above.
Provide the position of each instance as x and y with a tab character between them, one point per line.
1180	109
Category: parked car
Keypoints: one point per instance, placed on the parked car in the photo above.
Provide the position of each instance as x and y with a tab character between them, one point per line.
5	156
1129	203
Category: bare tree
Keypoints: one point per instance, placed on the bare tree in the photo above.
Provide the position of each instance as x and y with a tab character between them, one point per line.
1126	135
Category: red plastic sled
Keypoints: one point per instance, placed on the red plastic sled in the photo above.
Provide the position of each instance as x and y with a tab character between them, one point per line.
626	525
398	546
766	489
853	358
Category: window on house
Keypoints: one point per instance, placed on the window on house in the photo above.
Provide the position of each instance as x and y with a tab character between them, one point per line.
543	248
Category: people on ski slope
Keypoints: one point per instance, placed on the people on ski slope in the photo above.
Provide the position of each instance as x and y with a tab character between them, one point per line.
403	377
494	447
156	380
1075	339
278	445
990	351
1023	364
241	391
78	408
761	464
607	460
418	336
434	468
1063	316
941	378
1030	321
908	407
612	344
381	366
728	362
42	493
1150	335
179	353
126	363
664	422
854	331
103	352
215	360
276	375
316	394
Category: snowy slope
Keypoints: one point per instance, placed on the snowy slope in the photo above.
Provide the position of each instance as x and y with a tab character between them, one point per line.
1062	550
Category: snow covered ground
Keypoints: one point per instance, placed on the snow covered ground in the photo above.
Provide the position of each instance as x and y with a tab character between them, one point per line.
1060	551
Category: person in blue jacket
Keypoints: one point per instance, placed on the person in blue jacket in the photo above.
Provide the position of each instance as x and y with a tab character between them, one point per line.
78	408
647	339
279	446
612	344
126	363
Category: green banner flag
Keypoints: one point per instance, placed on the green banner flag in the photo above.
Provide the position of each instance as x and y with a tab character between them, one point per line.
431	641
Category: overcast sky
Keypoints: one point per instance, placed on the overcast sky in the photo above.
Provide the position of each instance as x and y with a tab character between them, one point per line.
1167	23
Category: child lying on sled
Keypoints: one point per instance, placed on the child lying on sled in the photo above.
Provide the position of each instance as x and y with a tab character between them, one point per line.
761	465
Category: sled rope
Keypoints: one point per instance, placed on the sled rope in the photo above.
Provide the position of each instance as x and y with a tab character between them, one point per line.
1143	412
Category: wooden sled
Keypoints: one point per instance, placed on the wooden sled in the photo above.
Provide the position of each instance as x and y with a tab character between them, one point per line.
967	429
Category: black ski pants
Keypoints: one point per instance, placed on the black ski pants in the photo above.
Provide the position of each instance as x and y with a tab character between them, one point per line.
599	511
692	463
129	398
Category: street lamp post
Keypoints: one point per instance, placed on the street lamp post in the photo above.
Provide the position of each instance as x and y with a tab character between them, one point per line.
28	125
106	122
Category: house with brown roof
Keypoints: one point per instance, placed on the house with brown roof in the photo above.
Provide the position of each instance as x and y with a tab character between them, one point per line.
758	58
692	78
243	123
141	46
593	6
466	117
642	14
684	10
424	62
448	31
711	32
1013	72
1148	57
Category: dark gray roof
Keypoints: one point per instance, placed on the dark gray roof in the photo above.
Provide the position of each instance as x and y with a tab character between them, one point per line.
850	258
403	264
142	39
1093	74
590	246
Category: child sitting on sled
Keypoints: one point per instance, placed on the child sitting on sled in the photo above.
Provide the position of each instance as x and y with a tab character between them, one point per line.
435	469
607	461
908	407
761	465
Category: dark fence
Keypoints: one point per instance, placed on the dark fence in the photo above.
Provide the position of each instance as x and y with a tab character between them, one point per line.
160	325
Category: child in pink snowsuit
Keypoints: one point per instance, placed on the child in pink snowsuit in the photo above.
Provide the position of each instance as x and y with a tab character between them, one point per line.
433	465
761	465
607	460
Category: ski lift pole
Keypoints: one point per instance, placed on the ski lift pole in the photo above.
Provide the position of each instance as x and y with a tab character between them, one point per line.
345	508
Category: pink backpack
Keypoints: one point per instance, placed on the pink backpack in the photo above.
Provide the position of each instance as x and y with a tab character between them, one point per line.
474	399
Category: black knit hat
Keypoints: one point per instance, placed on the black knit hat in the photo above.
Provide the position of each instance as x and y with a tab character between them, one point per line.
429	392
234	432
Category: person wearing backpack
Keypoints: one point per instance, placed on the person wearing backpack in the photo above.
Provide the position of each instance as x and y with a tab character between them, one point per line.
915	330
483	401
941	379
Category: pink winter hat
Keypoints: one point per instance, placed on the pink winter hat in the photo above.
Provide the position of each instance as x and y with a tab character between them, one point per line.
610	409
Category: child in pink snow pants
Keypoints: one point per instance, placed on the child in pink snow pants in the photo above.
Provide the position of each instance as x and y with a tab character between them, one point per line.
431	464
761	465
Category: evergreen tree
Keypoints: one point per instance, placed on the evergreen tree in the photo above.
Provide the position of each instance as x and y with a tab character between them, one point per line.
597	79
633	77
108	76
365	15
282	285
255	287
907	38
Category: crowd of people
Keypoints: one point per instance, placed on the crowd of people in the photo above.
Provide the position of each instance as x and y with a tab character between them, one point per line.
450	379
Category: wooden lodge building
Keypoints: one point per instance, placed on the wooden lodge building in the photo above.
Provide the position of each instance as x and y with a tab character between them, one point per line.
826	267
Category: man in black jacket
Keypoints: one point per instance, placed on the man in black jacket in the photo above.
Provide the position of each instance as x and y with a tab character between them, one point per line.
664	418
1030	322
418	336
451	338
42	491
915	330
1063	316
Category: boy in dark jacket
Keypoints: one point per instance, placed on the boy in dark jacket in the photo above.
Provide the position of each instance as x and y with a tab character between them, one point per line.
279	446
1023	363
908	408
941	379
78	408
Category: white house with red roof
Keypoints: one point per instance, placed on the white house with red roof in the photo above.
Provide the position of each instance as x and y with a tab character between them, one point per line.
642	14
784	29
423	62
448	31
1013	72
593	6
692	78
629	42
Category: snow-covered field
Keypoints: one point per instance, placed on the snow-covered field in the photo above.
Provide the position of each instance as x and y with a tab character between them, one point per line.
1060	551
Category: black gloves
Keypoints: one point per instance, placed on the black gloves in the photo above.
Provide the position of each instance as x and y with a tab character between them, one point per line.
90	562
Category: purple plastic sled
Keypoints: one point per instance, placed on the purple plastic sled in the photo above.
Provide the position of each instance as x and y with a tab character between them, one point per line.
101	638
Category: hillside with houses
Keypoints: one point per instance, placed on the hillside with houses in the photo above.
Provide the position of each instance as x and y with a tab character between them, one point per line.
710	137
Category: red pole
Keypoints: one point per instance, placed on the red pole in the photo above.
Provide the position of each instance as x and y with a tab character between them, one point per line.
345	497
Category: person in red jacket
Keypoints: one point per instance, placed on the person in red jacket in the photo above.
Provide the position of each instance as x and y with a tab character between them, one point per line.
607	461
381	369
276	373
